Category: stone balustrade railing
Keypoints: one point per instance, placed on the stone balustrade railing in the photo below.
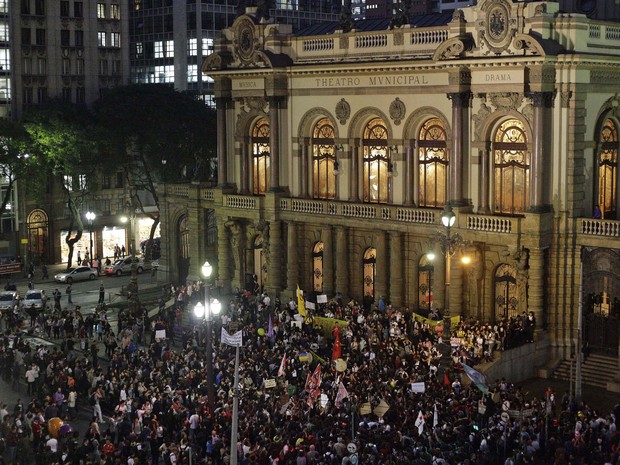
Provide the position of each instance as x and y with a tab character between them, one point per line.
593	227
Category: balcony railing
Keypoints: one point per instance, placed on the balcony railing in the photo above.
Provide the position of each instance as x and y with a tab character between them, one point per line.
592	227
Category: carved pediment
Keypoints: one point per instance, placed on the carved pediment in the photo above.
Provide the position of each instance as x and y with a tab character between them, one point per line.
454	47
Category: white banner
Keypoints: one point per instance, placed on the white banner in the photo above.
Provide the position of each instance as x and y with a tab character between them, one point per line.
160	334
235	340
321	299
310	305
418	387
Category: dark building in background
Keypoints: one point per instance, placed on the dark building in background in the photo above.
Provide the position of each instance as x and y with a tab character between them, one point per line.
170	39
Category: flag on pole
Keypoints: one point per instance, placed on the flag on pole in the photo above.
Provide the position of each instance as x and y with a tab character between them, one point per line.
435	416
446	380
337	351
419	423
341	395
301	305
282	369
313	385
270	334
236	340
477	378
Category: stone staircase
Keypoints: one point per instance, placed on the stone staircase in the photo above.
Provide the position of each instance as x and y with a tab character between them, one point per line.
596	370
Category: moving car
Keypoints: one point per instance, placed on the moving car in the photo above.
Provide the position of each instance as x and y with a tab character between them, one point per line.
78	273
124	266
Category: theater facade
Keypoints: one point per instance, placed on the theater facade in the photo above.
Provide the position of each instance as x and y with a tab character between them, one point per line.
340	147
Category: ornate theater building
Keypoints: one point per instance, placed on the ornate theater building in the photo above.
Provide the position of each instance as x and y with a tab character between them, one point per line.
341	150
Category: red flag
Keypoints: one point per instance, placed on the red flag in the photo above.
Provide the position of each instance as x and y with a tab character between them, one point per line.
337	351
446	380
282	369
313	385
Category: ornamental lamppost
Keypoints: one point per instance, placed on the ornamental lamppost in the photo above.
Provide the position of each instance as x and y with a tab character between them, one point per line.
90	216
208	310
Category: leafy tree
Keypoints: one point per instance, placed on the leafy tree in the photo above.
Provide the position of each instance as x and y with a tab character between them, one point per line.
154	123
18	161
63	134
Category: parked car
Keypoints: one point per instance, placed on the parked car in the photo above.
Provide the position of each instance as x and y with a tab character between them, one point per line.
8	300
123	266
33	297
78	273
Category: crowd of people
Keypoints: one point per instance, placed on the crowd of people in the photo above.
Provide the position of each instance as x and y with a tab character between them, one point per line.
399	398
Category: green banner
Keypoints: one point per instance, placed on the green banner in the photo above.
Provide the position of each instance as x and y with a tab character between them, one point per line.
326	324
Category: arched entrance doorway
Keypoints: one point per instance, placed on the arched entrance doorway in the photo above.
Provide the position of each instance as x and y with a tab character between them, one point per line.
317	267
183	248
506	297
370	272
426	270
601	304
38	236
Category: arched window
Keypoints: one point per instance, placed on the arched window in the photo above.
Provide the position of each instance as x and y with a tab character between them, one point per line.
261	155
370	270
425	283
323	160
506	296
607	168
376	162
433	159
511	165
38	236
317	267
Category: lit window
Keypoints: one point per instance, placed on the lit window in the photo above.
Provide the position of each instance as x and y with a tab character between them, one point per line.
158	49
192	73
261	156
433	162
115	39
607	169
115	12
375	162
101	39
511	168
192	47
207	46
323	160
101	10
139	49
4	31
170	49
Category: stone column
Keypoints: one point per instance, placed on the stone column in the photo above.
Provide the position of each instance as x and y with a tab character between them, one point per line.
274	277
396	269
304	161
409	175
460	100
328	261
485	170
223	256
536	284
439	276
274	143
354	172
341	262
456	286
292	256
244	165
415	173
382	267
538	202
222	169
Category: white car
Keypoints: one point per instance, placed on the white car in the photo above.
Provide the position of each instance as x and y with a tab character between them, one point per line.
123	266
8	300
33	297
78	273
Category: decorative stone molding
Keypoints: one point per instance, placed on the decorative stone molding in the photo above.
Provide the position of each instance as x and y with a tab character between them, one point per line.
309	118
462	77
506	101
344	42
453	48
397	111
528	112
495	26
251	107
603	77
399	38
479	118
343	111
212	62
565	97
528	44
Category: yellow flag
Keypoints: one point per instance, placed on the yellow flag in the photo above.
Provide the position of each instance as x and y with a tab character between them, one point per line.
301	305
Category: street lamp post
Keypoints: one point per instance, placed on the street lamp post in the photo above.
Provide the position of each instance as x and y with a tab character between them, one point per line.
90	216
208	310
449	247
